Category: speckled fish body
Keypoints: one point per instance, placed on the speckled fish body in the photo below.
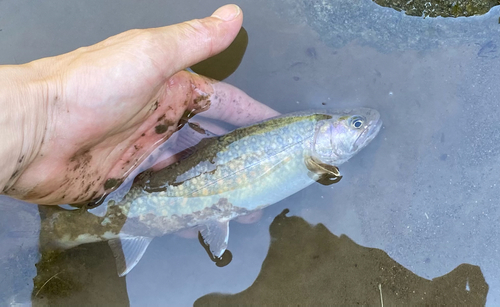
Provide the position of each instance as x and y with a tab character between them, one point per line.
232	175
245	170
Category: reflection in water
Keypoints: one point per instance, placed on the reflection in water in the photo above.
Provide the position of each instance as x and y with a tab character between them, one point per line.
85	275
305	265
309	266
16	274
18	250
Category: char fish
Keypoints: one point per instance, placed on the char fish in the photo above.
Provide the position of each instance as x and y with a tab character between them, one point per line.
217	180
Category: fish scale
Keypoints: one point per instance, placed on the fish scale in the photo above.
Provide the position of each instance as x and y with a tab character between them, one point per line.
246	158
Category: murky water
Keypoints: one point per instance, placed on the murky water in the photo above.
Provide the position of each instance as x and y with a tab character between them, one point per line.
425	191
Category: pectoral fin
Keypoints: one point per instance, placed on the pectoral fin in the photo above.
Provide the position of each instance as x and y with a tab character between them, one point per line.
128	251
214	237
323	173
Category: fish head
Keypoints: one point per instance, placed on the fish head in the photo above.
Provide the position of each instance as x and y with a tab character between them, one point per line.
343	135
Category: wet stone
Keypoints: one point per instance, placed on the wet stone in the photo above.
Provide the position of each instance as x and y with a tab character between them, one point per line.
443	8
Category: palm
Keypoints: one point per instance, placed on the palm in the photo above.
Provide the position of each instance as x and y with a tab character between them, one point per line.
108	135
112	103
102	135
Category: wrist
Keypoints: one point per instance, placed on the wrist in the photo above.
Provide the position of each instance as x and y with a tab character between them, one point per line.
23	118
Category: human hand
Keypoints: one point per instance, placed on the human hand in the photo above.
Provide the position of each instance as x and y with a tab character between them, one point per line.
76	121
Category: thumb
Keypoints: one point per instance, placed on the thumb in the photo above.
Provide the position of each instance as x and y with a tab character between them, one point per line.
193	41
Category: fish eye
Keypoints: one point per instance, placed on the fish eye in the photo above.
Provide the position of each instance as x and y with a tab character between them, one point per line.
357	122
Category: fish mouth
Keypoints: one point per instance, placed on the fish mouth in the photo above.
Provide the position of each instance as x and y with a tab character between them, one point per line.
370	132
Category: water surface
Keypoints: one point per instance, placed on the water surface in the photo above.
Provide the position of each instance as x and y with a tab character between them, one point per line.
425	191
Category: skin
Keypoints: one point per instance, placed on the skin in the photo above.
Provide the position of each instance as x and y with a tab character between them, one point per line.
74	122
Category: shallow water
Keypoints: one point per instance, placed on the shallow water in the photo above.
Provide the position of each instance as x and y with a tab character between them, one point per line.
425	191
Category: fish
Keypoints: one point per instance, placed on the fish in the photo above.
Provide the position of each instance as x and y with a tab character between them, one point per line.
217	179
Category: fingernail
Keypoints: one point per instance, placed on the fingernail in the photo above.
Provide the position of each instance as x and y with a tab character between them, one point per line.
227	12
